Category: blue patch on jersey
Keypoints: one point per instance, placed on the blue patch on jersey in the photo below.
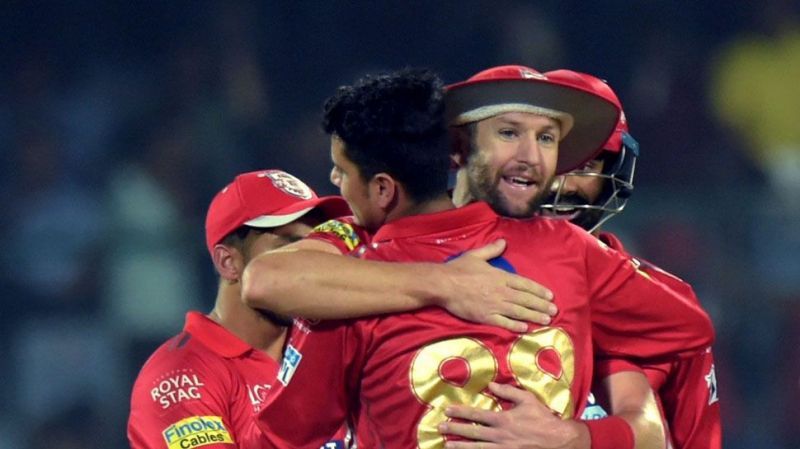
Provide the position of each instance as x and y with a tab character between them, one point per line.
503	264
497	262
333	444
291	359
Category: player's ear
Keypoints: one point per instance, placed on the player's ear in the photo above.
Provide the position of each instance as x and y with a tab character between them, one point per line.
228	261
385	190
459	146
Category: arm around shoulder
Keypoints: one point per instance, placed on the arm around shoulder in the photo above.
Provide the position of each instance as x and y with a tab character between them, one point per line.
312	279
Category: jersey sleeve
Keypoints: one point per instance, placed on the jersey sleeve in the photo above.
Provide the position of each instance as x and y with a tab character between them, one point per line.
634	315
179	403
691	403
316	392
343	233
686	387
606	367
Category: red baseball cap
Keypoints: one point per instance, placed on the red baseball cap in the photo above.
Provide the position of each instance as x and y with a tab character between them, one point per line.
587	119
601	88
265	199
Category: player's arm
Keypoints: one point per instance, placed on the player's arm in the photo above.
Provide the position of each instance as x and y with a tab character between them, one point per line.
159	432
312	279
636	421
170	408
691	403
689	394
635	316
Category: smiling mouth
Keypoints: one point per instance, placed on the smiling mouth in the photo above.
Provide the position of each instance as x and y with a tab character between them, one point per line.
564	212
519	182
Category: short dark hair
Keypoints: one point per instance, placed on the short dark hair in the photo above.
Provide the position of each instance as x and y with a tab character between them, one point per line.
237	237
394	123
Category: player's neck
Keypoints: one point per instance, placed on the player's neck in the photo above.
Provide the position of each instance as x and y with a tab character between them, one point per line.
248	324
439	204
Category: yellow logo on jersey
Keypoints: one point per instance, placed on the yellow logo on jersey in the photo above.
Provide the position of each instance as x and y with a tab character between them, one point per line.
340	230
196	431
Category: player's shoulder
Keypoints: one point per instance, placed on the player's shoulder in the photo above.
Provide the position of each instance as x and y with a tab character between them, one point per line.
545	224
641	264
550	229
181	359
612	241
344	232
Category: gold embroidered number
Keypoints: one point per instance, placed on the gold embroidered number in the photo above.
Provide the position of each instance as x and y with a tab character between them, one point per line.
526	361
543	362
432	389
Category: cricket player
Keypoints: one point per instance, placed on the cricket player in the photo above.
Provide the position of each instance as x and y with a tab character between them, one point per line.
686	387
203	387
391	156
589	196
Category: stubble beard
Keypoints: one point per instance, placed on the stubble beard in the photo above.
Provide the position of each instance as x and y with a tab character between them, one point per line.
484	186
586	218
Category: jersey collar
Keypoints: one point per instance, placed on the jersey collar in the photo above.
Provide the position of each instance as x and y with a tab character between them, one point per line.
475	214
612	241
214	336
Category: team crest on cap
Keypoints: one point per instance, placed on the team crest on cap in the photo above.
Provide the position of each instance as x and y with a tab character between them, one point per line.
288	183
525	73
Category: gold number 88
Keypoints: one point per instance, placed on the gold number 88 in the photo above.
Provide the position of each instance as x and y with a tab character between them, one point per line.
524	361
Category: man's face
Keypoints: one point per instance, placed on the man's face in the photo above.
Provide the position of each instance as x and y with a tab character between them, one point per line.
579	187
355	190
512	162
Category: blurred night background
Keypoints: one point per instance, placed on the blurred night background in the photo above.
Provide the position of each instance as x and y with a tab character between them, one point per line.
119	121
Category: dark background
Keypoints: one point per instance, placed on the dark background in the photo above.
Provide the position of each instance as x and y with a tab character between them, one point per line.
119	121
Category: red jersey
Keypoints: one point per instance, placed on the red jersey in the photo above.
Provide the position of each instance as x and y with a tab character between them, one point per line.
394	375
687	386
202	388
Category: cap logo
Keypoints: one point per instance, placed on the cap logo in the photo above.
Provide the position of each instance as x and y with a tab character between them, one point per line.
288	184
525	73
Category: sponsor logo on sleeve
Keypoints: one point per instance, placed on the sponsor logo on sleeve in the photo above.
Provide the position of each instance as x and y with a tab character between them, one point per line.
257	394
304	325
291	359
341	231
593	410
711	381
196	431
176	386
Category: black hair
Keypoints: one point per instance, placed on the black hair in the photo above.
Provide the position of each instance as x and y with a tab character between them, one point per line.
237	237
394	123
